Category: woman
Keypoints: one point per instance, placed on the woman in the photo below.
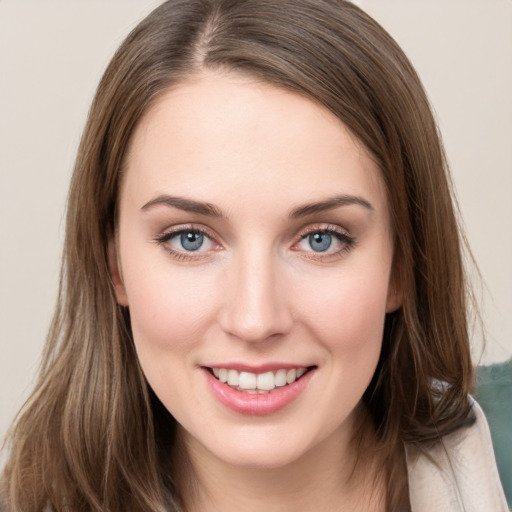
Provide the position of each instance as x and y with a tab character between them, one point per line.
262	299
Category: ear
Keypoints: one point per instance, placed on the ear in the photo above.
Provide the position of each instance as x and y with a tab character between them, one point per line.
395	290
115	273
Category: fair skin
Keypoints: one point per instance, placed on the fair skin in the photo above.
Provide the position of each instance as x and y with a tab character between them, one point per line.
224	266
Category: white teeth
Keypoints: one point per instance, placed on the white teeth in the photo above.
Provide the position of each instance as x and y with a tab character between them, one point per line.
233	378
280	379
258	383
247	380
265	381
291	376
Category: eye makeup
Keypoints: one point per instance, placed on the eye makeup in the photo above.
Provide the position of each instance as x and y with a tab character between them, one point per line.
319	242
324	242
196	242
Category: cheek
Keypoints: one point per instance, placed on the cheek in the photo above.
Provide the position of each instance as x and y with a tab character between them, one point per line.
169	307
170	312
347	320
346	314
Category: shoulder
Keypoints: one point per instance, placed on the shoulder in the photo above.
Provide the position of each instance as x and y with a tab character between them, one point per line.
458	474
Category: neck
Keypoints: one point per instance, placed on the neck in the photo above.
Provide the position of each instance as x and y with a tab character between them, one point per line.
331	477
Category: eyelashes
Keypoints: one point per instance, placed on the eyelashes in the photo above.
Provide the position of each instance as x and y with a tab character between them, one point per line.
327	241
319	242
188	242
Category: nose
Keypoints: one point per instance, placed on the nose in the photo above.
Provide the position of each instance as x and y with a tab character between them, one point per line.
256	303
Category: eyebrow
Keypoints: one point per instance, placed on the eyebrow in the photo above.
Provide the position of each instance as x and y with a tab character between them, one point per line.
182	203
330	204
210	210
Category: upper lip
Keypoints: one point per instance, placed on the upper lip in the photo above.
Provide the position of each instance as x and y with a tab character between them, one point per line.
260	368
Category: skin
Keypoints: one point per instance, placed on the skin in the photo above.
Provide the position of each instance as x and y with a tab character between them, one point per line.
256	291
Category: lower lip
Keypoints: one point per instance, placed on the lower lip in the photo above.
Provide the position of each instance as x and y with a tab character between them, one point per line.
257	405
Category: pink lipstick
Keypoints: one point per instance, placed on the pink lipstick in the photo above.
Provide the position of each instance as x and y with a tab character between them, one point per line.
257	391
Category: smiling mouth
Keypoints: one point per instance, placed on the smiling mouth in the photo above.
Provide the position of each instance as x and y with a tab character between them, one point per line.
259	383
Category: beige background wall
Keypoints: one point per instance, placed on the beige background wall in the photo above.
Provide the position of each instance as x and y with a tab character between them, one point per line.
52	54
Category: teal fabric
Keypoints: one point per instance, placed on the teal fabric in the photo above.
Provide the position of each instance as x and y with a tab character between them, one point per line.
494	394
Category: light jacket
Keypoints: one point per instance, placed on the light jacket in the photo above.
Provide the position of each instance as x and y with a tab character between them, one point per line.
462	475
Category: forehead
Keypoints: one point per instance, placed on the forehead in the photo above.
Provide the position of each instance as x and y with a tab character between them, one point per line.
219	133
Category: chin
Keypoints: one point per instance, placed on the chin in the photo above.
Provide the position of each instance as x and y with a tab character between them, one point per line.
259	456
260	446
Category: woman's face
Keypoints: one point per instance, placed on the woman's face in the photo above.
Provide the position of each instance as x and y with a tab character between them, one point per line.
254	245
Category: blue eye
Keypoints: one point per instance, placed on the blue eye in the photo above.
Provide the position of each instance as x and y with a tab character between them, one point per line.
191	240
185	241
320	242
325	242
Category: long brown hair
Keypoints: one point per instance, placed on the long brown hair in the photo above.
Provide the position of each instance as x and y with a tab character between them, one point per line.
91	436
